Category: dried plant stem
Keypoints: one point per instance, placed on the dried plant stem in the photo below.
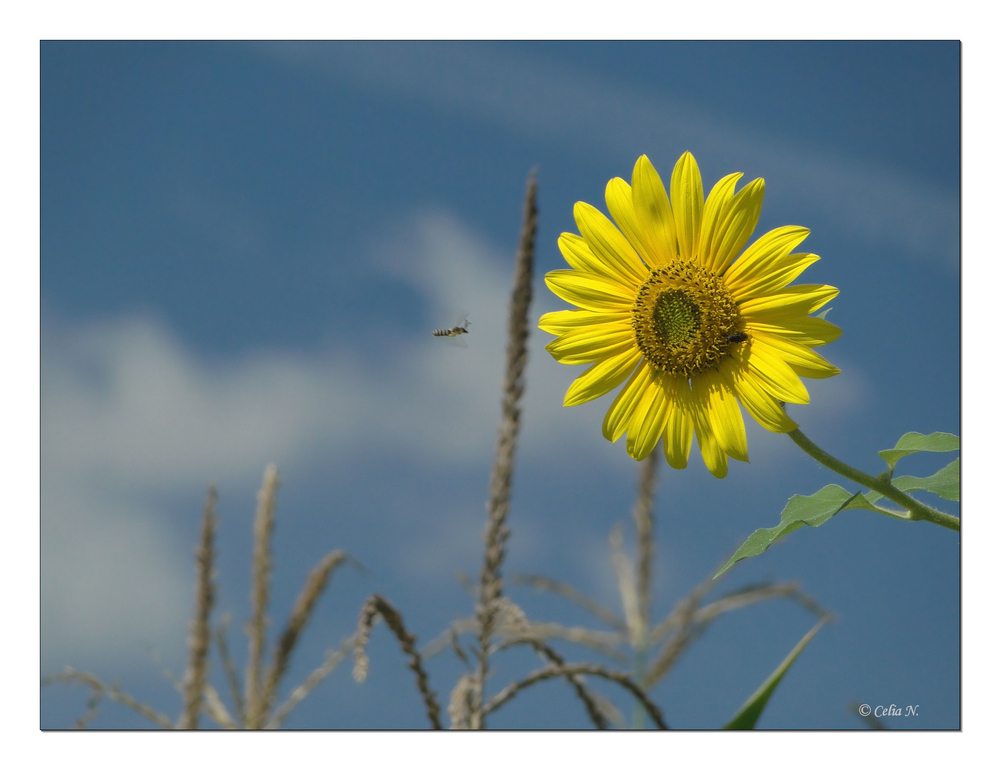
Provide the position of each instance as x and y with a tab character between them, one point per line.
263	528
626	587
589	669
333	659
112	692
201	636
490	579
460	702
216	709
442	641
577	681
595	608
605	642
642	514
164	671
232	676
301	612
690	621
93	709
750	596
378	605
685	615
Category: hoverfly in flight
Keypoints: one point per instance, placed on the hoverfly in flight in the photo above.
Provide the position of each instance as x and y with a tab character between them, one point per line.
455	331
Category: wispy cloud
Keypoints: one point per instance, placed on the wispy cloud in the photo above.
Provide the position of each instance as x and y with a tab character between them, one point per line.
549	101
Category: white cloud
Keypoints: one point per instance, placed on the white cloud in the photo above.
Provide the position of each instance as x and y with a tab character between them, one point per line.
111	576
546	100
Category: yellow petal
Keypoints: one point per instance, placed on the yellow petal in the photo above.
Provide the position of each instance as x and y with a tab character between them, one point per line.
653	213
608	244
772	373
792	302
753	272
648	420
679	428
762	406
719	197
601	377
591	343
714	396
783	272
806	330
711	450
589	291
617	418
804	361
732	227
618	196
578	255
687	201
561	321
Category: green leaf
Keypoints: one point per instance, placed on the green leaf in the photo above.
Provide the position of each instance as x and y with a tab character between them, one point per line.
811	511
823	314
746	718
944	483
911	443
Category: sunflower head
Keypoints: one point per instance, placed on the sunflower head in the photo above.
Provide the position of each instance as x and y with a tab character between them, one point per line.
671	304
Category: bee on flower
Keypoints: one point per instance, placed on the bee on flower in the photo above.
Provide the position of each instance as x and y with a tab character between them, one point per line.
694	325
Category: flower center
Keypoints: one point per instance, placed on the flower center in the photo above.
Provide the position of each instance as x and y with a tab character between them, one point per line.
683	318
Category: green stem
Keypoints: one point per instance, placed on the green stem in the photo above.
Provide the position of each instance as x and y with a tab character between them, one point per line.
918	511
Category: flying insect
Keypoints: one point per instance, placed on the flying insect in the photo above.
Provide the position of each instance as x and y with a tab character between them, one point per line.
737	337
455	332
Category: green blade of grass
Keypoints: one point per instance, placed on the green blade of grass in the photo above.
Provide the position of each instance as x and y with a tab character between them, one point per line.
746	718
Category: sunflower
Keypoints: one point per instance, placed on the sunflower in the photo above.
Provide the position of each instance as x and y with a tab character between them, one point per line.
669	304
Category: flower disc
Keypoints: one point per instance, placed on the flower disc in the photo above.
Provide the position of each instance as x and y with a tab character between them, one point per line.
683	317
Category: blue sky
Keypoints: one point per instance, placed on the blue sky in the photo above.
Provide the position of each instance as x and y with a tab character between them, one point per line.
244	248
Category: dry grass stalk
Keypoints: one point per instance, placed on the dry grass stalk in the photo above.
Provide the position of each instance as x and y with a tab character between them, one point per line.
688	621
457	648
201	638
93	709
112	693
232	675
642	514
217	710
333	659
747	596
198	695
589	669
460	703
442	642
377	605
605	642
490	580
263	527
165	672
578	683
683	617
595	608
301	612
626	587
671	651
